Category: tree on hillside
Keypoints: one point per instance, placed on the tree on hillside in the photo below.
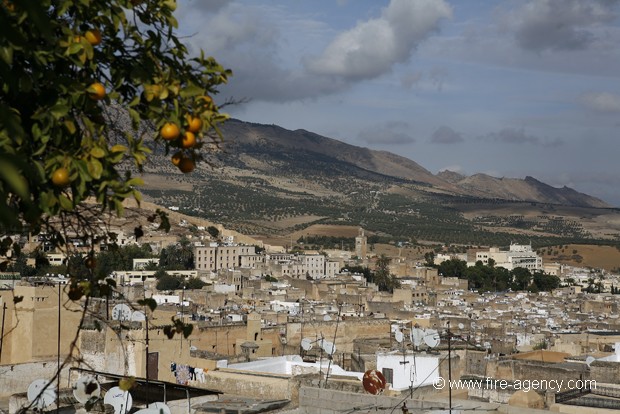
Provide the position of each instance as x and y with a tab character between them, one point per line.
168	282
89	89
178	256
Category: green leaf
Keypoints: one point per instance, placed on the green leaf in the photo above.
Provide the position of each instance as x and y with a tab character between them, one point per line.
95	169
59	110
11	175
191	90
65	202
97	152
6	54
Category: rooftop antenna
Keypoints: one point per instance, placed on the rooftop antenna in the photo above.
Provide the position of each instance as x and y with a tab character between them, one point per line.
431	338
119	399
417	337
40	394
161	407
86	388
373	381
121	312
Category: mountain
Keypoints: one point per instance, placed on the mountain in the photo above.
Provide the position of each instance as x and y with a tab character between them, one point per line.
267	180
300	146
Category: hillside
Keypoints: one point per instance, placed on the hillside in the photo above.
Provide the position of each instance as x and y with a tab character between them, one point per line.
265	180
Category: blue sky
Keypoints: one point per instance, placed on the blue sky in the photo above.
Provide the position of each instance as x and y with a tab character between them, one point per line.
508	88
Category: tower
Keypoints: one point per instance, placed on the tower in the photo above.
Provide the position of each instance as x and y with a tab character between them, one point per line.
360	244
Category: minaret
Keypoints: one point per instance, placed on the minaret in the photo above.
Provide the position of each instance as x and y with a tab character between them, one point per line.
360	244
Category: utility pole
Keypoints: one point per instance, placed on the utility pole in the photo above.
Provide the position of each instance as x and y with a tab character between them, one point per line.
449	369
2	333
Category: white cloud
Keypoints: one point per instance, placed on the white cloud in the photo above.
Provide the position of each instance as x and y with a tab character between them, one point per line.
601	101
518	136
374	46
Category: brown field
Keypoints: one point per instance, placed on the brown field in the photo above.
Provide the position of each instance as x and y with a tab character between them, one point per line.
600	257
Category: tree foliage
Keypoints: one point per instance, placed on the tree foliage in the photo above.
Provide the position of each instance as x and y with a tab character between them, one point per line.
168	282
382	277
178	256
67	67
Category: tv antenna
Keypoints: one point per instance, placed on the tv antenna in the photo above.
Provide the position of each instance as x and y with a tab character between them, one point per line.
373	381
121	312
161	407
40	394
86	388
417	337
431	338
138	316
306	344
119	399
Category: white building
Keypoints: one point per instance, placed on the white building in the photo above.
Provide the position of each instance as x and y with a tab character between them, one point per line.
215	257
409	369
519	255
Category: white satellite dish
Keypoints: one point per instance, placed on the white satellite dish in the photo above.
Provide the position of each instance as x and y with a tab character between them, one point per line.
417	336
119	399
161	408
86	387
399	336
38	396
306	344
138	316
461	326
328	347
431	338
147	411
121	312
327	318
590	360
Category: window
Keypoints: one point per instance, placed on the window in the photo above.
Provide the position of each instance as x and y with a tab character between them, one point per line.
388	373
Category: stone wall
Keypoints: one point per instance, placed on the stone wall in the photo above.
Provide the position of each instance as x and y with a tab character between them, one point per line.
16	378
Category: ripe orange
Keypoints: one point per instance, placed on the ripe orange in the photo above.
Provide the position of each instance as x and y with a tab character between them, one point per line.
93	37
193	123
170	131
188	140
177	157
96	91
60	177
186	165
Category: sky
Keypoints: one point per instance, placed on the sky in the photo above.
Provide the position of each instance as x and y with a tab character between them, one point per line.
508	88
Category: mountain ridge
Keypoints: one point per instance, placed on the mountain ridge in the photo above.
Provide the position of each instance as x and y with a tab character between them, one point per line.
242	135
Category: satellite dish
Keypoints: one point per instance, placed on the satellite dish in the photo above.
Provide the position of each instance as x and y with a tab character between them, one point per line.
86	387
41	394
417	336
138	316
590	360
327	318
147	411
121	312
399	336
306	344
373	381
431	338
119	399
161	408
461	326
328	347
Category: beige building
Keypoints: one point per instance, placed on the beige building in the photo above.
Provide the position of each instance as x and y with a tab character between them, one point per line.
361	248
215	257
31	325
